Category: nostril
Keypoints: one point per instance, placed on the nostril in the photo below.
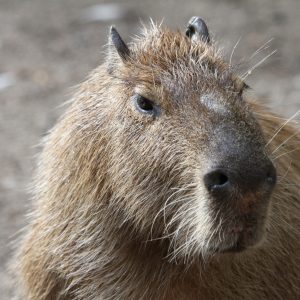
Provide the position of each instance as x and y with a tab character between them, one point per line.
271	175
216	179
221	179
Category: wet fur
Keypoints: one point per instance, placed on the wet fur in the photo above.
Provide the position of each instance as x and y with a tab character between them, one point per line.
96	232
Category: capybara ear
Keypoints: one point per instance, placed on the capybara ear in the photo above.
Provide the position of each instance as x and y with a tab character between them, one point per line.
116	41
197	30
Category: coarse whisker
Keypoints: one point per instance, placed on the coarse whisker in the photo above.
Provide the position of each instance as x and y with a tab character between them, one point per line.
283	154
175	217
282	126
163	209
159	238
176	250
173	242
270	116
249	72
188	242
184	246
165	205
265	46
233	50
216	229
281	178
173	234
285	141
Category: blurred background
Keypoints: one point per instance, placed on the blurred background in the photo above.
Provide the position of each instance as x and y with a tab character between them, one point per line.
46	47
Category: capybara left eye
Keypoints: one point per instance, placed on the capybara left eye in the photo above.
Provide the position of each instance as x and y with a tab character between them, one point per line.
144	105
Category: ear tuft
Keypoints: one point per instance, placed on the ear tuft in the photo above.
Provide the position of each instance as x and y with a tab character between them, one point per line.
197	30
119	44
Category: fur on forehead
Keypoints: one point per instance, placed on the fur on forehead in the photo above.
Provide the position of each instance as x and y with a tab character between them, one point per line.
160	43
159	54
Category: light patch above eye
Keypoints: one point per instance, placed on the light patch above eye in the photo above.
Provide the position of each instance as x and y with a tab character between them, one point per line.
212	103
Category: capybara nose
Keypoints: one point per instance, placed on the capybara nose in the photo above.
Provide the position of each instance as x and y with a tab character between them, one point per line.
224	180
217	179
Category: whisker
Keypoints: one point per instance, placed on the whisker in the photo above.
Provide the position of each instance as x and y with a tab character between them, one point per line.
282	126
270	116
286	153
265	46
160	238
285	141
177	215
286	172
233	50
166	204
164	207
249	72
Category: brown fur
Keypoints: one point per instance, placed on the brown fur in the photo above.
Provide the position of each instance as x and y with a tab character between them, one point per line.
107	171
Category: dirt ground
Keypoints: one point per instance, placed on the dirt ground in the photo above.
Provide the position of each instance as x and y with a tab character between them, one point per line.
46	47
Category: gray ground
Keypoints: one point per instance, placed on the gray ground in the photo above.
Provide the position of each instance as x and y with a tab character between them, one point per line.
48	46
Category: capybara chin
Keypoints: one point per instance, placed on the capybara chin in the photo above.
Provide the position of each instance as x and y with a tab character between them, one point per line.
164	180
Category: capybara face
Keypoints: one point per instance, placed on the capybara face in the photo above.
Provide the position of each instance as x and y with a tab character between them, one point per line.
187	157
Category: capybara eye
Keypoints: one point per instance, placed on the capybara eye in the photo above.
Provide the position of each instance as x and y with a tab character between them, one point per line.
144	105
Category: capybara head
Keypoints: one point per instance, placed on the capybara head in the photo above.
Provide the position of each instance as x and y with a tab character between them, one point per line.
185	156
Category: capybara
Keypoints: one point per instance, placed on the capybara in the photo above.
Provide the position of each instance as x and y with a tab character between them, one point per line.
165	180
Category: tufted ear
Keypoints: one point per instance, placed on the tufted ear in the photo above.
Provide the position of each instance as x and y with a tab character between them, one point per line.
117	42
197	30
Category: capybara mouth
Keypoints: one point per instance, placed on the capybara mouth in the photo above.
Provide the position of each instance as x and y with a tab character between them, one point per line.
244	234
247	237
